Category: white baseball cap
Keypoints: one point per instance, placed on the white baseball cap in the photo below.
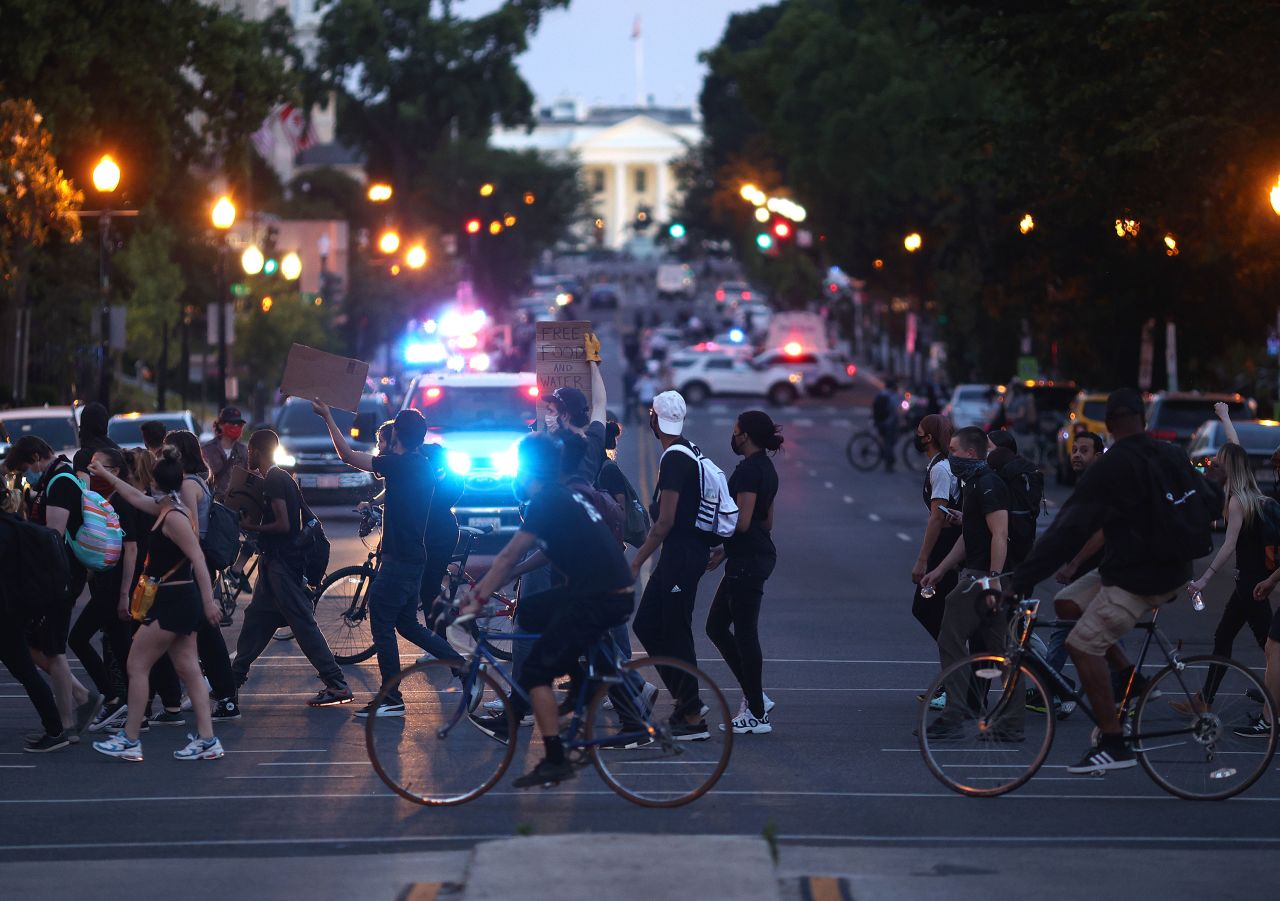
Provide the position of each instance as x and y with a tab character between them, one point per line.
670	408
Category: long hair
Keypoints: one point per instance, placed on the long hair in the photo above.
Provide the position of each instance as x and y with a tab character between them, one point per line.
188	447
939	427
1240	481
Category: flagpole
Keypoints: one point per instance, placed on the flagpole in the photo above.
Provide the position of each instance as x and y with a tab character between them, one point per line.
638	39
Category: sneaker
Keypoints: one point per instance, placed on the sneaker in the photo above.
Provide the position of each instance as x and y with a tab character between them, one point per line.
1190	707
947	727
1254	695
46	743
937	702
497	705
1036	702
493	726
119	745
1259	728
329	696
690	731
385	709
746	723
88	712
545	774
185	706
1066	708
1106	755
225	709
629	735
200	749
168	718
112	716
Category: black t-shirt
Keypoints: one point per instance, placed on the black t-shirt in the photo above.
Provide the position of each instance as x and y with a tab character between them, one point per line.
755	474
593	458
410	486
612	482
64	493
442	524
80	462
678	471
279	484
576	540
985	493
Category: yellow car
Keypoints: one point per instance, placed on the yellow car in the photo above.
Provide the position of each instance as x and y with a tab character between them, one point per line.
1087	413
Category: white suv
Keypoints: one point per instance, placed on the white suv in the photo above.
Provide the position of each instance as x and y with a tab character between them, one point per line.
58	426
825	372
699	376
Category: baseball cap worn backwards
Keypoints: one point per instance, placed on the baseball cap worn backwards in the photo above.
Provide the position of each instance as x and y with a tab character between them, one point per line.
670	409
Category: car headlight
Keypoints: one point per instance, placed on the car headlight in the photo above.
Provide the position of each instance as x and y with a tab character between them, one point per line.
459	461
506	462
283	458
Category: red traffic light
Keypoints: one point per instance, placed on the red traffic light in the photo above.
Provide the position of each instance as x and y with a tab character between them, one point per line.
473	226
782	229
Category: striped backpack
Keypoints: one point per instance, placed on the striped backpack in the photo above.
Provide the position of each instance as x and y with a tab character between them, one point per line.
99	541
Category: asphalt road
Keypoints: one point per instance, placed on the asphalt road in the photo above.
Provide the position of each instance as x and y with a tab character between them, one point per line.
844	662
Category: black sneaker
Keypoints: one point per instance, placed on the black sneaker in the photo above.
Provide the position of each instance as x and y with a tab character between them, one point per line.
696	731
629	735
112	716
384	710
947	727
1259	728
1254	695
496	727
168	718
225	709
48	743
545	774
1113	754
87	712
330	697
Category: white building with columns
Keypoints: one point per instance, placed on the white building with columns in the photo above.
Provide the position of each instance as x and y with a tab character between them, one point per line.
626	156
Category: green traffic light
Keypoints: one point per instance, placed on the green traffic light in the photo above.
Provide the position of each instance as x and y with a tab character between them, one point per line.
764	241
271	266
676	230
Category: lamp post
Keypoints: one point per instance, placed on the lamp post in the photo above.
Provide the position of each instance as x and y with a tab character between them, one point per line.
106	178
223	217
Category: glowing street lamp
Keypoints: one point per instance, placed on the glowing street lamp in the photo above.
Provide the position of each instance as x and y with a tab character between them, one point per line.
1026	224
223	214
106	175
389	242
1171	245
291	266
762	215
486	190
495	227
252	260
416	257
1275	196
380	192
912	242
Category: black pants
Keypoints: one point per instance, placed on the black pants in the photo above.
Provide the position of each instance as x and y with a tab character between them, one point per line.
16	657
733	626
100	615
664	620
928	611
1241	610
567	624
438	557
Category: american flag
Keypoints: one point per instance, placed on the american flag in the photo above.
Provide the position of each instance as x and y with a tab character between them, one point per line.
635	29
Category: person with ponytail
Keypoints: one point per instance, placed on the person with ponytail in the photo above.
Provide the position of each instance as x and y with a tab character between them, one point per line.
749	557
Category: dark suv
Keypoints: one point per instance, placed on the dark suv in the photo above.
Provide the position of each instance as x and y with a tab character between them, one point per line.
1175	415
307	451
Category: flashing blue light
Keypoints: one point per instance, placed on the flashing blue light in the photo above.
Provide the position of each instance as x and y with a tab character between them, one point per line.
420	352
459	461
737	335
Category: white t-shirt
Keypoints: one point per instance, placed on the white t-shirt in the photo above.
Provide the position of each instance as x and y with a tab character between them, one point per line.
943	484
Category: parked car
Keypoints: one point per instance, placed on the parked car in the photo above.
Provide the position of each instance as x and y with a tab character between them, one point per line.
973	404
1087	413
675	280
56	425
1260	438
125	429
735	292
1175	415
825	372
479	418
307	451
700	376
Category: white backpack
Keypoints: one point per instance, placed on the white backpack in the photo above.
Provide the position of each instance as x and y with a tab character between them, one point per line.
717	513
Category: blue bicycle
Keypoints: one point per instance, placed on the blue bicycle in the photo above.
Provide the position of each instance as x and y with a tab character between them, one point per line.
617	717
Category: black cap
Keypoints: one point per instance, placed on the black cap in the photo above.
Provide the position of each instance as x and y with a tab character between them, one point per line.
1124	402
572	402
231	414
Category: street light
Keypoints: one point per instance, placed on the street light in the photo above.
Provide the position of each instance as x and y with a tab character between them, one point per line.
1171	245
223	216
291	266
389	242
252	260
416	258
1026	223
912	242
379	192
509	220
495	227
106	178
106	175
473	226
486	190
1275	196
529	198
762	215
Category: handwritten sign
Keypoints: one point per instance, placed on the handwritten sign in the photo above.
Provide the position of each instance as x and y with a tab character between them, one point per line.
315	375
561	360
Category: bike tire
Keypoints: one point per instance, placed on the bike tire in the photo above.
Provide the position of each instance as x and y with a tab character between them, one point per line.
412	756
342	612
688	768
964	753
1189	766
498	619
864	451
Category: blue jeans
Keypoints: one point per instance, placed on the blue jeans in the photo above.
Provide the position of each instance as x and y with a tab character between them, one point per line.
393	607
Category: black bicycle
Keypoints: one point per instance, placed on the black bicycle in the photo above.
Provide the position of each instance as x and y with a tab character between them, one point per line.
866	451
228	586
988	745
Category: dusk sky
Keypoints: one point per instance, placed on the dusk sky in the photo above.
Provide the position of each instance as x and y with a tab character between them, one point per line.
586	51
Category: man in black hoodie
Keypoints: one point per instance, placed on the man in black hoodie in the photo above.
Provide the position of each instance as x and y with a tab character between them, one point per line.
93	438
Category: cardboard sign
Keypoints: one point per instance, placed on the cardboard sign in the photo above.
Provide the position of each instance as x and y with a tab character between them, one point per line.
315	375
244	493
560	358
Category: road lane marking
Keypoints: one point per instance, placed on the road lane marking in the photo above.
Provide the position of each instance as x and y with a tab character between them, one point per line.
874	517
840	423
321	763
17	766
299	776
281	751
848	499
722	420
903	536
828	485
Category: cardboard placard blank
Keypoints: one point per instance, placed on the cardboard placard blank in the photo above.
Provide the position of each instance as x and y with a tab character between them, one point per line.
560	358
315	375
244	493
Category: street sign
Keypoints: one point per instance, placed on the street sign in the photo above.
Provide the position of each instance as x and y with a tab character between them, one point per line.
239	289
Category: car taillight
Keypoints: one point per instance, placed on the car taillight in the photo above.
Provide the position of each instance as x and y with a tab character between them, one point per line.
1164	435
430	395
851	370
720	295
746	295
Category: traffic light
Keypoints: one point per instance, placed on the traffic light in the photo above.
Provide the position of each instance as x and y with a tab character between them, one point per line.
676	230
782	229
473	226
764	241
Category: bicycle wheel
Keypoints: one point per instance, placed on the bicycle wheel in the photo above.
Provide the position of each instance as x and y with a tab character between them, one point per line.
434	754
913	459
864	451
984	742
342	613
1197	755
498	619
632	742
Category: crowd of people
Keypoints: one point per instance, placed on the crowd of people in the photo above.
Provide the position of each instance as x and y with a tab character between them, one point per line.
152	601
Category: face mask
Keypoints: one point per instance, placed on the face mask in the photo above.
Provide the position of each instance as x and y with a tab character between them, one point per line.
552	421
32	476
233	431
922	444
733	443
965	468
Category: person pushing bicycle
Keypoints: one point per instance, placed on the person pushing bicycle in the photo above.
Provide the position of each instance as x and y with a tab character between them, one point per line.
1154	512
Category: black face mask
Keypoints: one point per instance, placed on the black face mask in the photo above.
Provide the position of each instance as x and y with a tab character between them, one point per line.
966	468
733	444
922	444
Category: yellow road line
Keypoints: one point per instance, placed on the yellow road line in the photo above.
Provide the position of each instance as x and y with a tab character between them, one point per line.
824	888
421	891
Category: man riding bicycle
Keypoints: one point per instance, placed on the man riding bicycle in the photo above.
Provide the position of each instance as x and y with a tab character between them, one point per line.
1154	513
596	596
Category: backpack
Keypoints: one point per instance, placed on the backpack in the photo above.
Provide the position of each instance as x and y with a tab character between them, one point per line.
99	541
43	574
606	506
221	542
311	546
1026	487
1178	529
636	525
1270	531
717	512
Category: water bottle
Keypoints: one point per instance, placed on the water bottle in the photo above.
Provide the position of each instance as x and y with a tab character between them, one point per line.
1197	601
929	592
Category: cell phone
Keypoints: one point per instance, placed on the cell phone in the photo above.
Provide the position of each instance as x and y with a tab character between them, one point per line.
947	510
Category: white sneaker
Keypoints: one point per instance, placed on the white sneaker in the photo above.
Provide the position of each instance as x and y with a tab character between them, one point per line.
768	704
120	746
743	708
495	706
747	723
200	749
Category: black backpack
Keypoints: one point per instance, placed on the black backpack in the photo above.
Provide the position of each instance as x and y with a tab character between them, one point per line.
221	542
311	546
605	505
1026	489
1180	516
636	522
43	573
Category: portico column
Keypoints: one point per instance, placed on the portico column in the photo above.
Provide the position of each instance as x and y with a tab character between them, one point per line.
663	210
615	226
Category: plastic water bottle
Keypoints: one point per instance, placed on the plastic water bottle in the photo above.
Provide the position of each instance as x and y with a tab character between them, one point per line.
1197	601
929	592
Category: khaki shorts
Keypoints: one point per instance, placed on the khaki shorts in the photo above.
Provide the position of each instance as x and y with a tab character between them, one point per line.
1108	612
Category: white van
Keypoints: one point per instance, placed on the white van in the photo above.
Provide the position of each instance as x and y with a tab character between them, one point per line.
676	280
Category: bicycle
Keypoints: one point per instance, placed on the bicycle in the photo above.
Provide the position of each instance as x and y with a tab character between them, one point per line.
227	587
342	600
866	451
441	755
1194	756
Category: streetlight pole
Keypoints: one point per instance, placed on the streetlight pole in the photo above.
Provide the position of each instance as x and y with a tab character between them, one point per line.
223	217
106	178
